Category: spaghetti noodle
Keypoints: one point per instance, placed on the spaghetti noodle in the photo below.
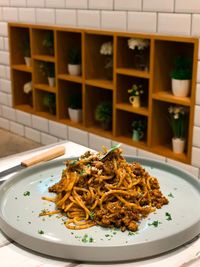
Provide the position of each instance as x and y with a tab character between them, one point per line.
109	192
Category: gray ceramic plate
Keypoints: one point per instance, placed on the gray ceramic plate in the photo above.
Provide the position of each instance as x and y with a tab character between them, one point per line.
20	221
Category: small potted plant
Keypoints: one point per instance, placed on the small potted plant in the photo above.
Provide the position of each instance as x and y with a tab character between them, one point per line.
75	107
181	76
140	56
27	52
48	70
28	87
103	114
178	121
49	101
74	61
106	49
135	91
139	128
48	42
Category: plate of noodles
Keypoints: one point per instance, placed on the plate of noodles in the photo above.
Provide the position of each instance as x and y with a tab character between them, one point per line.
102	209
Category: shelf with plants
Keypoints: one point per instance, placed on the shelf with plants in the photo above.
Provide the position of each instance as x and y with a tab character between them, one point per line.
99	59
44	75
135	58
69	55
108	70
134	131
45	104
98	114
132	94
70	109
170	124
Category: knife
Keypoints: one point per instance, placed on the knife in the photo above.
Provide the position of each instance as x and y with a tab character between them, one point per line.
45	156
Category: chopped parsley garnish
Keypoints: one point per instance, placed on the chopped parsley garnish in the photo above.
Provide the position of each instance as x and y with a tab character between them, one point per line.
132	233
170	195
168	215
154	223
40	232
87	239
91	215
73	162
82	172
27	193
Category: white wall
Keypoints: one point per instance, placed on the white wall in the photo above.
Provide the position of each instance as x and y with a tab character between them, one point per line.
154	16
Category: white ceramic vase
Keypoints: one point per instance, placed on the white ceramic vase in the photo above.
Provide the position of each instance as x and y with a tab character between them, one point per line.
51	81
180	87
74	70
75	114
27	61
135	101
178	145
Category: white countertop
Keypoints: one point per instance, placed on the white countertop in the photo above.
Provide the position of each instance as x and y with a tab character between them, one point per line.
12	254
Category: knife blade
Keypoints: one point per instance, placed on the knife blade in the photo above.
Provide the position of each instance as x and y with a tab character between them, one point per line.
45	156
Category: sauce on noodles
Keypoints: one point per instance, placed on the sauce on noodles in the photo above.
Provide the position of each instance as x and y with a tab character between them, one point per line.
109	192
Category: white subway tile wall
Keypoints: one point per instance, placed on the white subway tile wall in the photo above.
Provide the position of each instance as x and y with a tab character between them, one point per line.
158	5
78	136
78	4
134	5
113	20
173	23
66	17
32	134
142	22
179	17
17	128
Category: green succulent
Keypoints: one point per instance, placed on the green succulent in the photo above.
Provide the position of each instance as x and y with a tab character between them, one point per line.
75	101
47	69
103	112
74	56
182	69
48	41
139	125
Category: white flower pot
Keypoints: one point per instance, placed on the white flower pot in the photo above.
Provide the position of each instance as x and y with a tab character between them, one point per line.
75	114
178	145
180	87
51	81
27	61
135	101
74	70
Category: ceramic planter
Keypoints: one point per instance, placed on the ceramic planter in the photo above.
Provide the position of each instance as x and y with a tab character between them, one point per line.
180	87
74	70
27	61
178	145
135	101
75	114
137	135
51	81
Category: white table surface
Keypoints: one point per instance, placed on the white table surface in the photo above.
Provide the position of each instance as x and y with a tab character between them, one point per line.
12	254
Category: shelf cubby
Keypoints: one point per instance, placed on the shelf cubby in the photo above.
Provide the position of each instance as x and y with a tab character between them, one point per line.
67	89
96	96
161	129
124	83
19	41
40	78
124	127
41	108
95	71
67	41
165	53
20	98
39	50
132	60
96	84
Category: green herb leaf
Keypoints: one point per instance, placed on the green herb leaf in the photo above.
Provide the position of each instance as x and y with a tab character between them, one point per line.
91	215
40	232
170	195
168	215
27	193
154	223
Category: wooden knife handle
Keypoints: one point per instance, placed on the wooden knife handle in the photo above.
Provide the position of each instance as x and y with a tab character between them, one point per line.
45	156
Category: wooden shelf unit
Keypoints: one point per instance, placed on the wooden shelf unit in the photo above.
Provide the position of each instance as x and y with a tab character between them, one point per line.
94	85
